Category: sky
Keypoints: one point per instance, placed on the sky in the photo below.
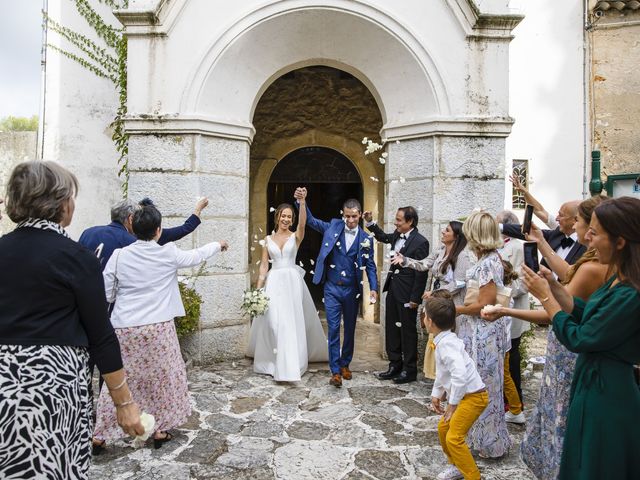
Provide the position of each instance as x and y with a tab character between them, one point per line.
20	40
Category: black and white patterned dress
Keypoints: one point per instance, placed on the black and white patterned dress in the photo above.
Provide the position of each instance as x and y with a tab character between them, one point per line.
45	412
45	407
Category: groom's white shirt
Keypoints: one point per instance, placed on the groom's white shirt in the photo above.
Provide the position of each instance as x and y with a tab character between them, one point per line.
348	238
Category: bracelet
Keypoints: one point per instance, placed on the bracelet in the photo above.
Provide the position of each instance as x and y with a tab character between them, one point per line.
544	299
124	404
120	385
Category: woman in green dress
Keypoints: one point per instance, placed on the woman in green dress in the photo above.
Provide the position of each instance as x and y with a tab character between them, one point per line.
602	438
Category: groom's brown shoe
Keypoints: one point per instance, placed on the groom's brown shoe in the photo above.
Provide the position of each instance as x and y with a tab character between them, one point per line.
336	380
346	373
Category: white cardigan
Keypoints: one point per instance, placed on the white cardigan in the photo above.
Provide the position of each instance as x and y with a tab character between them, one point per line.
146	290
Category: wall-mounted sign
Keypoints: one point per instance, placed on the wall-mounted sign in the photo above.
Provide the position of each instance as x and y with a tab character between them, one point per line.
626	184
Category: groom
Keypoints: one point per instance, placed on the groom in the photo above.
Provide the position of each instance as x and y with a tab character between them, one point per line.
345	252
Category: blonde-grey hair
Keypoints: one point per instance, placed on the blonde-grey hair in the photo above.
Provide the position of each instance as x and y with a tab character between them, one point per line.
38	189
482	232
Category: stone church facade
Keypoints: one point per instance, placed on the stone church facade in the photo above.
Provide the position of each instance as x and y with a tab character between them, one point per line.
242	101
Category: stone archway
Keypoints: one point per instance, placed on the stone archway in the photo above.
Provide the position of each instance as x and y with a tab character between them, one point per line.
318	107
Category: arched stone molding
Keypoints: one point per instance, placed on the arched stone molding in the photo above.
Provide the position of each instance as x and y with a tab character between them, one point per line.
289	34
367	167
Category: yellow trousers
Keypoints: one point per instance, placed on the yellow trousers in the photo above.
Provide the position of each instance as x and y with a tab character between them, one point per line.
510	390
454	432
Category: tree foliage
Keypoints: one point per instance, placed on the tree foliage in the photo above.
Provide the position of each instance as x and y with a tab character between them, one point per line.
19	124
107	59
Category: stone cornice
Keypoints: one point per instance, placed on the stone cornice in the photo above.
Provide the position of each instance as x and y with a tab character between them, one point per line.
187	124
194	124
152	20
484	25
461	127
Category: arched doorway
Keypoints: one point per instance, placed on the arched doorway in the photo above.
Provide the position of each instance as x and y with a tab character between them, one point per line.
309	128
330	179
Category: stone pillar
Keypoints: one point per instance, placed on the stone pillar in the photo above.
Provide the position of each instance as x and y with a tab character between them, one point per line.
175	170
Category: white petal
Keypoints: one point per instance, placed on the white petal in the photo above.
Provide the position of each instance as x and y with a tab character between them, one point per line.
312	272
396	271
398	324
312	261
252	248
384	154
402	179
397	142
382	160
332	266
343	273
272	210
358	296
338	243
262	243
258	262
275	351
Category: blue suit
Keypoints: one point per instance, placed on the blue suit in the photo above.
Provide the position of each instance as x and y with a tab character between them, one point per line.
341	272
115	236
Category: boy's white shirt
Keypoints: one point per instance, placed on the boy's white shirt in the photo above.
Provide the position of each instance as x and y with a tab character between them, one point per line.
456	373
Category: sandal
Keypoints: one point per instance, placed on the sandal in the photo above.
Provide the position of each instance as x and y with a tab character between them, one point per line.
98	447
157	442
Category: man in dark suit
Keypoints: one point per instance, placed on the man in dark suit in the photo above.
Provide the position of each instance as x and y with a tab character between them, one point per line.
563	239
104	239
404	287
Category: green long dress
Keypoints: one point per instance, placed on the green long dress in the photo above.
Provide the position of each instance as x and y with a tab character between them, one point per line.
603	426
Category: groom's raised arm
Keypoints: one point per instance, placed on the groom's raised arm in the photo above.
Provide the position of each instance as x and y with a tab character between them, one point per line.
318	225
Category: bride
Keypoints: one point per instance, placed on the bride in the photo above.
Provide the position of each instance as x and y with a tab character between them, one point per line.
289	335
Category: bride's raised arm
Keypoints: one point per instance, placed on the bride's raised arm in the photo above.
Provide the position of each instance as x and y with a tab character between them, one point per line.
264	265
302	215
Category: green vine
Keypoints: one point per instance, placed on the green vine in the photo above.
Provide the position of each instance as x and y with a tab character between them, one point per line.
192	302
109	61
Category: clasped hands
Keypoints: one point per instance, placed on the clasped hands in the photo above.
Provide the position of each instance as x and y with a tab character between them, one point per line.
300	193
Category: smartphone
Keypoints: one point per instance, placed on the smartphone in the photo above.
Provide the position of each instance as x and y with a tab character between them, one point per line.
531	256
528	217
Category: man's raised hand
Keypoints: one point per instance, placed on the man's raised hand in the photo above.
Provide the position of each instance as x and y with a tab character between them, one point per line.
368	216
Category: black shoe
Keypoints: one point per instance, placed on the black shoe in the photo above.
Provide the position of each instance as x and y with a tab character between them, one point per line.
157	442
405	377
98	447
390	374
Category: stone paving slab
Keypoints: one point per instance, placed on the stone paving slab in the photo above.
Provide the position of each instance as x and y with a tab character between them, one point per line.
246	426
369	429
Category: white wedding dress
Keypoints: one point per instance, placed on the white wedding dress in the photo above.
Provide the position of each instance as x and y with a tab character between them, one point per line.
289	335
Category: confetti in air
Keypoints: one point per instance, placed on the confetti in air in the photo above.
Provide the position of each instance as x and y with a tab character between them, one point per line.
312	261
402	179
358	296
374	179
343	273
396	271
301	264
272	210
398	324
332	266
261	242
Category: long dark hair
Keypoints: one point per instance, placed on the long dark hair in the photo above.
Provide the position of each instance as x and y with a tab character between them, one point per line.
620	218
458	245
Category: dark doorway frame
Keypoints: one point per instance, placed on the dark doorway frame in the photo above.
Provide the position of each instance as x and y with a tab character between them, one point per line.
330	178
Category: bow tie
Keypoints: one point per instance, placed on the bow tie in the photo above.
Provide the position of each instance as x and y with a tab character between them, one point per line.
349	231
567	242
403	235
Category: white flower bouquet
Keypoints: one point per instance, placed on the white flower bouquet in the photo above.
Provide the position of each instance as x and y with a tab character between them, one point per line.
254	302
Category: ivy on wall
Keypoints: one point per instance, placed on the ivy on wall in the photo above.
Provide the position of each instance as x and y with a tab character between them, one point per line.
106	60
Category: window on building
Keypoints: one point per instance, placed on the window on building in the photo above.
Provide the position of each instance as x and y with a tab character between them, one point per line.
519	170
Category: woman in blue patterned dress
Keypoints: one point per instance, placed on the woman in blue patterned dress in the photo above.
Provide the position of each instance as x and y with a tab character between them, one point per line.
542	445
486	341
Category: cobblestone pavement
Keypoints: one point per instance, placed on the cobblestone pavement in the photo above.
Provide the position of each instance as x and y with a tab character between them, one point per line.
246	426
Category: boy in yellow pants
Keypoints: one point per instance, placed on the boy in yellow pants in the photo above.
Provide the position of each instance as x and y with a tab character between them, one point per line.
456	375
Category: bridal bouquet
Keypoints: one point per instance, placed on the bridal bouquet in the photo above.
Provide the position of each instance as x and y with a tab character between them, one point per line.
254	302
